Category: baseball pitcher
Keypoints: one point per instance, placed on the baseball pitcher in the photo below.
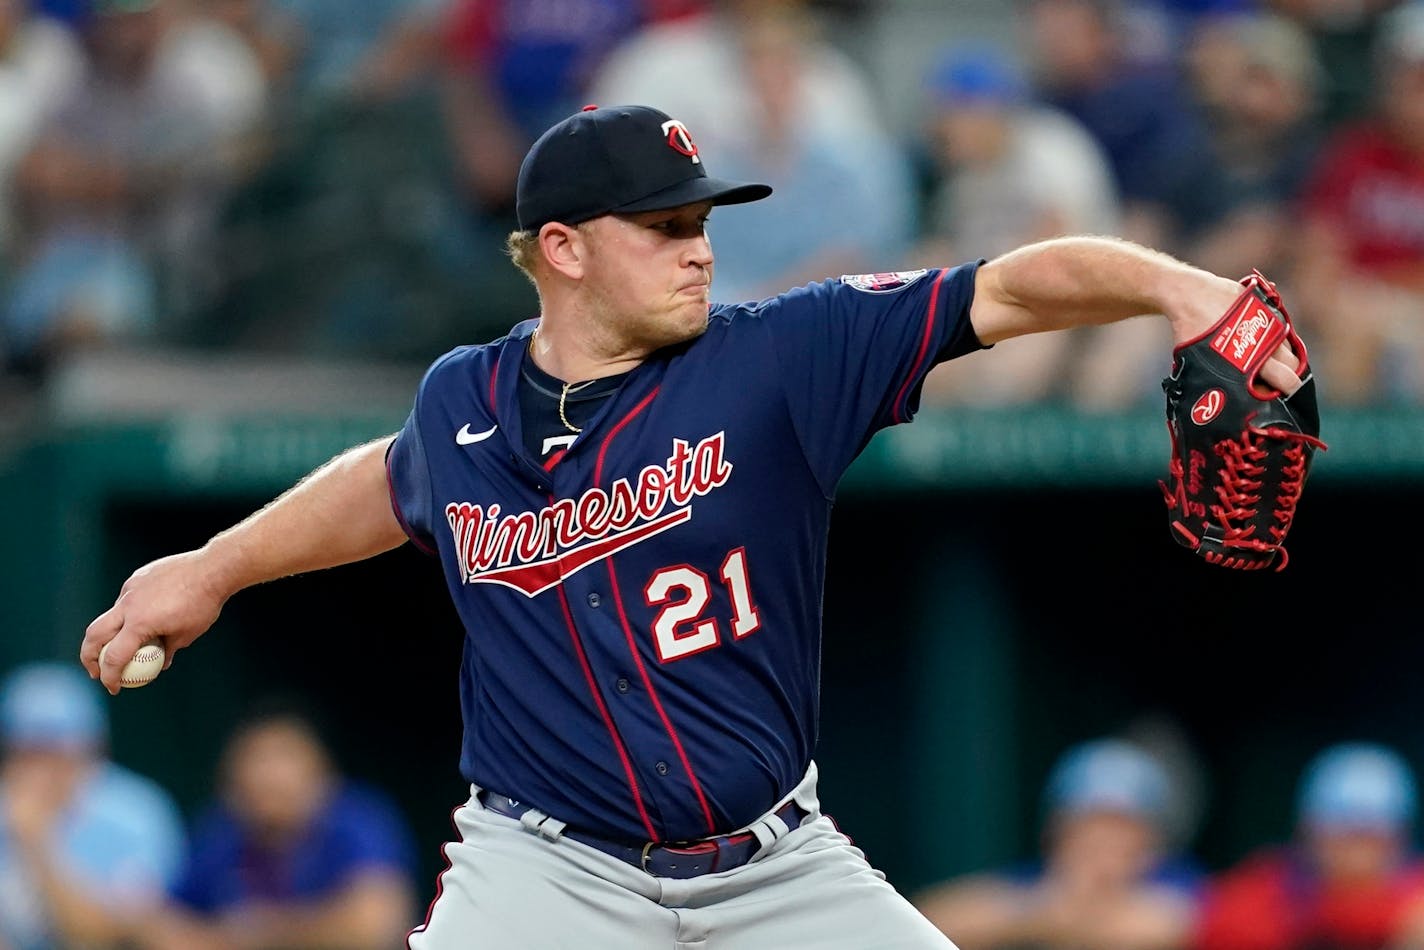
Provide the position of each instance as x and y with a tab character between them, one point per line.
629	496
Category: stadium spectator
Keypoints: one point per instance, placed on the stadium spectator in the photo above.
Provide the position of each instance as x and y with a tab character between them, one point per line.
1344	33
1346	879
120	192
1186	15
348	241
1360	273
40	64
1136	107
516	67
1107	879
1213	59
783	106
87	846
341	51
273	35
693	67
293	855
1007	171
1259	80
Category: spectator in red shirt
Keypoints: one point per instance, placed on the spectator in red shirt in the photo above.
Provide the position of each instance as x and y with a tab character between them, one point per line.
1361	261
1347	879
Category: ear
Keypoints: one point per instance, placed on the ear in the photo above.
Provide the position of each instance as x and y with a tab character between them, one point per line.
563	248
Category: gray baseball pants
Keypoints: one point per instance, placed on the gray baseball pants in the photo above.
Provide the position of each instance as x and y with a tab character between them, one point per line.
509	887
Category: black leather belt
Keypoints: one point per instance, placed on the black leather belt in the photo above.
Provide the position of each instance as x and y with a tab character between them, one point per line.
674	859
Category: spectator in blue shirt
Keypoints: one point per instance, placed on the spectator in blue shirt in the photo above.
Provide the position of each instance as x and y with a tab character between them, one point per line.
87	847
1107	877
1136	106
293	854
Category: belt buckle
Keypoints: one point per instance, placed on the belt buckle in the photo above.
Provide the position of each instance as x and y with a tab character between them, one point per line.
690	850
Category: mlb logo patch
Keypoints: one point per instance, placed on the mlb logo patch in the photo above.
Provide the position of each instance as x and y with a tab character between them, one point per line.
882	283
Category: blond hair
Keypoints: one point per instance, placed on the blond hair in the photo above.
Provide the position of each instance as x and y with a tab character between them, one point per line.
523	249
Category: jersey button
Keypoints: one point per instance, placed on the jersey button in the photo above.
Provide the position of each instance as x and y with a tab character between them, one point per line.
623	684
594	600
662	768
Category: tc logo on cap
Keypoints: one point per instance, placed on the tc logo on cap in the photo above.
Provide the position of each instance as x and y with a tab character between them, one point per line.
624	160
680	140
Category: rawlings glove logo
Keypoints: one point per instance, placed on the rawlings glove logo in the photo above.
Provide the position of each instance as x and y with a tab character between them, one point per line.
1208	406
1244	338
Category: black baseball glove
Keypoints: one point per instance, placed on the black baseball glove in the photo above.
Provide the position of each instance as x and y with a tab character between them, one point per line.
1240	449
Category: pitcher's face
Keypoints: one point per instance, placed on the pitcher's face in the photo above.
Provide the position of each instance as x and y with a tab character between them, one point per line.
648	275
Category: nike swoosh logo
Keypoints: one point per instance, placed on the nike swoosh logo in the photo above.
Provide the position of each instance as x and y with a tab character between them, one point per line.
466	437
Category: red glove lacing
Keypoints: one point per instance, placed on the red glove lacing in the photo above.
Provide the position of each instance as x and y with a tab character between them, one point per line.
1239	492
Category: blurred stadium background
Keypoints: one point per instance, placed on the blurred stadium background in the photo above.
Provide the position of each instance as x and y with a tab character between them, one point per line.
218	276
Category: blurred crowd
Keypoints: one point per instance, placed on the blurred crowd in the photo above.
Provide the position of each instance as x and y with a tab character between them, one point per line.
323	178
1113	871
288	851
335	178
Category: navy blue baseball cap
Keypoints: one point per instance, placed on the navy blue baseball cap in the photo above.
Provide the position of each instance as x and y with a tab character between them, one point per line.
619	159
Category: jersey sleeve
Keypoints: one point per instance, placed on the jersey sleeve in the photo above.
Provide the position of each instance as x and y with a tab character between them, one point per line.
854	352
408	475
408	472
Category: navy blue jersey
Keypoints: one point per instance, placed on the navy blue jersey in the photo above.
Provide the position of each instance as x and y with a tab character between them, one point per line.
642	657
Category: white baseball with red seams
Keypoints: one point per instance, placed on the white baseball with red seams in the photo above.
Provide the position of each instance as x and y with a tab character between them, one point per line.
146	664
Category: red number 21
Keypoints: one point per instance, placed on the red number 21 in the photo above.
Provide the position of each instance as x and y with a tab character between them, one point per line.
684	592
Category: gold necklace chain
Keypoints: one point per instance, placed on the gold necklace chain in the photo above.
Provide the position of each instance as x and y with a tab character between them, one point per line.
570	388
564	393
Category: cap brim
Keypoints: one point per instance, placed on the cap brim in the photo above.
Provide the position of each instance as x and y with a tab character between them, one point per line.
694	190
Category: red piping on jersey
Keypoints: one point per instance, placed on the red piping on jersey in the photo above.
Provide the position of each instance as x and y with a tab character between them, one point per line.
555	459
898	404
395	507
608	439
494	375
628	628
439	878
657	704
607	719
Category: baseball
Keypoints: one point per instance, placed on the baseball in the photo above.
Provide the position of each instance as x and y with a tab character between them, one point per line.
146	664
